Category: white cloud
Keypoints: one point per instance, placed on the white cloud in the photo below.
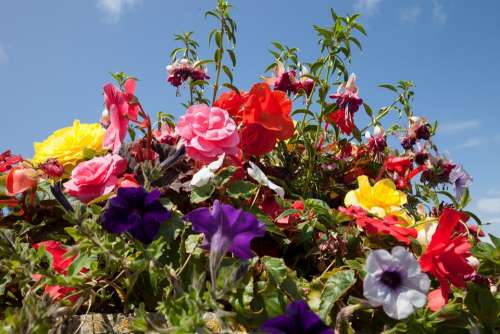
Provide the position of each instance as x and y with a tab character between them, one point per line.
489	205
438	12
3	54
114	8
460	126
367	6
472	142
411	14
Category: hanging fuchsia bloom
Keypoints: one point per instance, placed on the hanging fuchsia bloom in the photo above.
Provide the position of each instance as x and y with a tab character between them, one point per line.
348	103
376	142
287	81
182	70
120	107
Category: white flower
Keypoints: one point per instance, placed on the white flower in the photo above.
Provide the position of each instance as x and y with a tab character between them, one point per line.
258	175
206	173
394	280
425	233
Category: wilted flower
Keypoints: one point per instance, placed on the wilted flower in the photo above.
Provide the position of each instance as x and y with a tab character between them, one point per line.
394	280
52	168
460	180
206	173
136	211
258	175
298	319
226	229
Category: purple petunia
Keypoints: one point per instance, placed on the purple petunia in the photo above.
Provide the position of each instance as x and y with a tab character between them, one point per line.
460	180
136	211
298	319
226	229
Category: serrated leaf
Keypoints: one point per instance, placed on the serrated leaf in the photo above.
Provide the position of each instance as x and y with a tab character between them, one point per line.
201	194
335	287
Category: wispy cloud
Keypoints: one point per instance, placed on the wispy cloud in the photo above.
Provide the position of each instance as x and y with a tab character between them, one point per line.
369	7
460	126
411	14
438	12
4	57
472	142
113	9
489	205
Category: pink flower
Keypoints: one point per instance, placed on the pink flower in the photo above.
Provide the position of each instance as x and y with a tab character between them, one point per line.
208	133
120	109
94	178
20	179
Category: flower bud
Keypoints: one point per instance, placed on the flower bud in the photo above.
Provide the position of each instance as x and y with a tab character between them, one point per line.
52	168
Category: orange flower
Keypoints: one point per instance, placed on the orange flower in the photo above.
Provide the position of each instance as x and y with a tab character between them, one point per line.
20	179
266	115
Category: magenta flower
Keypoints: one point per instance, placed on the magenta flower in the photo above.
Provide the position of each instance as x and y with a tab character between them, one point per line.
226	229
298	319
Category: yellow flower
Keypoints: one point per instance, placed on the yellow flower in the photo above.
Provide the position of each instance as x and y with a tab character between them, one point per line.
380	200
68	145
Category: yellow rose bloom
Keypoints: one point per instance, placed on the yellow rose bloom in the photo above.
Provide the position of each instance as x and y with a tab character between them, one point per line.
68	145
380	200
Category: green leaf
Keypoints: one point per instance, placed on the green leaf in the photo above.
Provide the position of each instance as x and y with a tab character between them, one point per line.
335	287
390	87
224	175
232	55
228	85
482	303
201	194
82	261
228	73
241	189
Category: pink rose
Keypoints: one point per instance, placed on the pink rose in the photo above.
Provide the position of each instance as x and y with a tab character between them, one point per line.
94	178
208	133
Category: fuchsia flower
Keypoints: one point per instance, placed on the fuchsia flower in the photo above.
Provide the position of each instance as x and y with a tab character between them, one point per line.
182	70
348	103
376	142
95	178
208	133
286	81
166	134
120	108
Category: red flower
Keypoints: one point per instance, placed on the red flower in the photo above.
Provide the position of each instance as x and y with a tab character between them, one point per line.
436	300
60	265
7	160
399	165
344	120
447	253
232	102
388	225
266	119
348	103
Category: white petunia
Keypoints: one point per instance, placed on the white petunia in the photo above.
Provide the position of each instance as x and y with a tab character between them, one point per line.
206	173
258	175
394	280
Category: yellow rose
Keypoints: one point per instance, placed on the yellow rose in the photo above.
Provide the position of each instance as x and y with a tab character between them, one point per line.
68	145
380	200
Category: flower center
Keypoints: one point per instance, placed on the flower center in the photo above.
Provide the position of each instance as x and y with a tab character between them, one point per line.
391	278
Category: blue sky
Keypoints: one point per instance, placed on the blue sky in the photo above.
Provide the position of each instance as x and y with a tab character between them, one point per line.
55	57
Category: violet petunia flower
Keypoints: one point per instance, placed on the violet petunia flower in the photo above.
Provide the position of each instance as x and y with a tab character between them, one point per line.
298	319
136	211
395	281
460	180
226	229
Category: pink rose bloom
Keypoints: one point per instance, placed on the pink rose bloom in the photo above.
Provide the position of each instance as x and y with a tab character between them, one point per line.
119	110
94	178
208	133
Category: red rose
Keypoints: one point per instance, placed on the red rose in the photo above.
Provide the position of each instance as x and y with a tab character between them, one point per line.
266	119
232	102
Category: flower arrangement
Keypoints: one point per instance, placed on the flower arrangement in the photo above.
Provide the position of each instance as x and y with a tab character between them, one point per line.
262	209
